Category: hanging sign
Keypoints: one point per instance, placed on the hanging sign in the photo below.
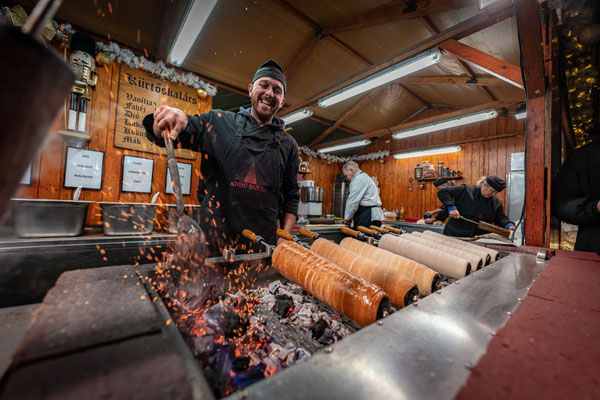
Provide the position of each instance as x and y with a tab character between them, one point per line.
137	174
84	168
141	94
185	177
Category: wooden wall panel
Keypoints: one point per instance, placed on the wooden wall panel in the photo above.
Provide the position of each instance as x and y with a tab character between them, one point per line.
48	167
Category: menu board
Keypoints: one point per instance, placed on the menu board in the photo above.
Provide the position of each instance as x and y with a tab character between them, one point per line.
141	94
84	168
185	178
137	174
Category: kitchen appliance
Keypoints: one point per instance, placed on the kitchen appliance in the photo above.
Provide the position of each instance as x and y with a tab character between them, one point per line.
311	201
340	195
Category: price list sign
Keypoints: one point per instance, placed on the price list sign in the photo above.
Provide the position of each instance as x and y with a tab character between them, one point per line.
141	94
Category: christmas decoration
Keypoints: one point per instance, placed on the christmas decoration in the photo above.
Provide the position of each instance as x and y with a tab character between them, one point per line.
336	159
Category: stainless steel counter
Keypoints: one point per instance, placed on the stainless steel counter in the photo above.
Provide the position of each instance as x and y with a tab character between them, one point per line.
424	351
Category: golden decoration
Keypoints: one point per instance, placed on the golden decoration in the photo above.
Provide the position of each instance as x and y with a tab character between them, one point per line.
201	93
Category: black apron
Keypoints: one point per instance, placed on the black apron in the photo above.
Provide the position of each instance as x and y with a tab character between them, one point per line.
362	217
245	193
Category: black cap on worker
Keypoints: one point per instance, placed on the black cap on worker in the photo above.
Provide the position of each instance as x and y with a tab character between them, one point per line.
272	70
439	182
496	183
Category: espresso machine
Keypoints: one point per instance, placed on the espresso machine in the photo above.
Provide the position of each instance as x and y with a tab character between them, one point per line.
311	199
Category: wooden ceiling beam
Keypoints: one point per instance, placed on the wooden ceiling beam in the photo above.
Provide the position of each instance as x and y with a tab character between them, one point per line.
348	114
474	24
454	80
301	56
395	13
437	118
483	60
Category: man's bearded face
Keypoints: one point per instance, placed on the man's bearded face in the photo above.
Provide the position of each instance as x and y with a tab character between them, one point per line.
266	95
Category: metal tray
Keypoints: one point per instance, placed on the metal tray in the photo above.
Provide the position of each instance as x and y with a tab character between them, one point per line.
48	218
127	218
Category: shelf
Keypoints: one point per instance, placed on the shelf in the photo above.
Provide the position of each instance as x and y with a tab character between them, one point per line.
433	178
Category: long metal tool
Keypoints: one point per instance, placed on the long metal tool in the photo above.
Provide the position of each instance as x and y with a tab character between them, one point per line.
484	226
288	236
360	235
188	273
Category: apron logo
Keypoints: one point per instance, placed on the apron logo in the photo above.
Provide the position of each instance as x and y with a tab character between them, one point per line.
249	179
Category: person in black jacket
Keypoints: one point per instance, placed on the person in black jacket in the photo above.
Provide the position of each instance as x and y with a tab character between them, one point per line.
440	213
249	166
577	195
477	203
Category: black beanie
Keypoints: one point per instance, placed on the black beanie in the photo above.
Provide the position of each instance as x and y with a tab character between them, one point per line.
272	70
439	182
81	41
496	183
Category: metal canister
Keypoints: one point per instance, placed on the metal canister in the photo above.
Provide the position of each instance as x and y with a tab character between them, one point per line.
418	172
445	172
440	168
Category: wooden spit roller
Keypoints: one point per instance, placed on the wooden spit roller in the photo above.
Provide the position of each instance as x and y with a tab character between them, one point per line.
440	261
426	279
401	289
392	230
491	255
354	297
359	235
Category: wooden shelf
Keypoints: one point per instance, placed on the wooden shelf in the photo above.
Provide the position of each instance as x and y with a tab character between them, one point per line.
433	178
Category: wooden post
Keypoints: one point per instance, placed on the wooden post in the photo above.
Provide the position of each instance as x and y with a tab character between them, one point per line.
530	33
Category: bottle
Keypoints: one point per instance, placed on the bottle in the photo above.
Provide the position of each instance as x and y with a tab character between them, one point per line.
418	172
401	215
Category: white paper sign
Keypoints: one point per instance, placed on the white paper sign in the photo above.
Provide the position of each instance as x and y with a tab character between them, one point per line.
137	174
84	168
26	178
185	176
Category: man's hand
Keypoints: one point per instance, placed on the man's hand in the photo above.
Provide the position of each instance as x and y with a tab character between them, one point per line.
598	206
429	220
280	240
454	214
511	228
168	118
346	222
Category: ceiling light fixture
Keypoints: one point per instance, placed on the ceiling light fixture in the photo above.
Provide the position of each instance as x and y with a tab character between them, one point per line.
521	111
296	116
347	145
485	3
392	73
427	152
445	124
195	18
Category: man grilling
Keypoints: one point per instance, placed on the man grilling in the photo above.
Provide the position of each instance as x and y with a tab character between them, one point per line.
363	204
440	213
250	165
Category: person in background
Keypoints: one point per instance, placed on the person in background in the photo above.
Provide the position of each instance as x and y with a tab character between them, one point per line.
249	166
363	204
477	203
440	213
577	195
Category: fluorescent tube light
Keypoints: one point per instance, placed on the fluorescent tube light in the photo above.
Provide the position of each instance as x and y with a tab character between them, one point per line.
427	152
485	3
500	77
445	124
193	23
521	111
381	78
296	116
343	146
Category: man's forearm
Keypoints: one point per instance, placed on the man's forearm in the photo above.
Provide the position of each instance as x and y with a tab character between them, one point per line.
288	222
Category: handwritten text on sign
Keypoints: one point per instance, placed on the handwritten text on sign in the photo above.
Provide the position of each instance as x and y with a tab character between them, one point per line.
137	174
84	168
141	94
